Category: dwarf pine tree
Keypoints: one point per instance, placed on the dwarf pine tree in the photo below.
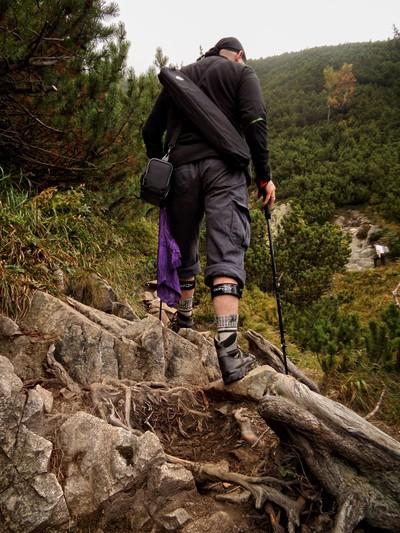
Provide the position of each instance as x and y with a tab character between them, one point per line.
69	108
307	256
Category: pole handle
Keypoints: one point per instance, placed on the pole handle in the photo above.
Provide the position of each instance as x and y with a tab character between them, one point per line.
267	212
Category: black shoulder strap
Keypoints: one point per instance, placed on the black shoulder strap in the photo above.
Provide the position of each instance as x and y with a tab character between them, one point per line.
173	140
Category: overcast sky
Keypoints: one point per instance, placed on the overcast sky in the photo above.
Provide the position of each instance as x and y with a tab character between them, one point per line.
264	27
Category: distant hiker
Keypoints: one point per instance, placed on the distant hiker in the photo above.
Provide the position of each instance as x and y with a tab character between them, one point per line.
380	253
204	183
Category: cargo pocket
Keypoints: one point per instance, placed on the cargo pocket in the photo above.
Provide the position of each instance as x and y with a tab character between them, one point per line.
240	227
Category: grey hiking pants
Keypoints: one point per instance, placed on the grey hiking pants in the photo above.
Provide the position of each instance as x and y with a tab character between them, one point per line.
209	187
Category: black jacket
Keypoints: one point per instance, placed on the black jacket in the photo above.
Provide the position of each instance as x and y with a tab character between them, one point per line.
235	89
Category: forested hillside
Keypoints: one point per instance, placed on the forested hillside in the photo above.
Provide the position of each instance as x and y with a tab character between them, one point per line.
353	157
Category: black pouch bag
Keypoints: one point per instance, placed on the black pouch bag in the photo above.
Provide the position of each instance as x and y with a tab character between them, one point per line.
156	182
156	178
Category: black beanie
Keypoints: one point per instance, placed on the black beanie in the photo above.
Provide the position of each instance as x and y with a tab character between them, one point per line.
227	43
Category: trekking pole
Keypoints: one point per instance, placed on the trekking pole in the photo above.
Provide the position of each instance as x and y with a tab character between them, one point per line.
267	213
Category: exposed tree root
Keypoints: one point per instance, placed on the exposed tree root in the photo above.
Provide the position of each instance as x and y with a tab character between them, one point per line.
245	426
270	355
126	404
352	459
57	369
258	487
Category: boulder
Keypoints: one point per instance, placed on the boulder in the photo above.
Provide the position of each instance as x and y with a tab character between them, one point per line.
47	398
93	345
25	352
30	497
169	479
116	460
174	520
360	229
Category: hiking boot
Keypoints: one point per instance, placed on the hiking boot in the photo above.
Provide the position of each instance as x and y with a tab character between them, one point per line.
180	321
233	363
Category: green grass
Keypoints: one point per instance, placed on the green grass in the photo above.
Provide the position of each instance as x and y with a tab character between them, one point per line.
69	231
367	292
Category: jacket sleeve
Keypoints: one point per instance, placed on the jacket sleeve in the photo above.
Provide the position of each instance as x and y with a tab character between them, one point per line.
155	126
253	117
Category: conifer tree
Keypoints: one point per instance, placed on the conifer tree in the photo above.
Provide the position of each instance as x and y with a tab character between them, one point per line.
69	108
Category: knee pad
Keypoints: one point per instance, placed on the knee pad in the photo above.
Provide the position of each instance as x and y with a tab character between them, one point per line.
220	289
187	285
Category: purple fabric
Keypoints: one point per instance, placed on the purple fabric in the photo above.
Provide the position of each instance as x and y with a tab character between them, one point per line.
168	260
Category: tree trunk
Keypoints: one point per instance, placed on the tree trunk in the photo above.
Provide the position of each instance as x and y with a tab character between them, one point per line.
353	460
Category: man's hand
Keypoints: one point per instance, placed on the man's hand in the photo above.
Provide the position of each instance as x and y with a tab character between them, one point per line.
266	190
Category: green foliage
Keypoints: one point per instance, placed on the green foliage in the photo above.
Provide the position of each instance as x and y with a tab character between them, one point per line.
307	256
331	334
67	231
314	194
353	159
70	110
393	242
383	339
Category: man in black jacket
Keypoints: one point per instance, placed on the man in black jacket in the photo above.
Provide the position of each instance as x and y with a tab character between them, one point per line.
203	183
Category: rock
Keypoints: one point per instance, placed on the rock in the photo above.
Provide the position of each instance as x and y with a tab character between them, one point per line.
34	506
168	479
59	279
47	398
87	351
33	412
27	354
218	521
31	454
116	460
183	364
360	229
11	406
92	345
174	520
8	328
94	291
123	310
207	353
31	499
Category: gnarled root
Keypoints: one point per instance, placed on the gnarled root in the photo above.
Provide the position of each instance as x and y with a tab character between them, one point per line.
353	460
258	487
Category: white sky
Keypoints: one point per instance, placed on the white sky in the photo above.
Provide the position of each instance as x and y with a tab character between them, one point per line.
264	28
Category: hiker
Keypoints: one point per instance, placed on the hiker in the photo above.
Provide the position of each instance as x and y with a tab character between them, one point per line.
380	254
205	184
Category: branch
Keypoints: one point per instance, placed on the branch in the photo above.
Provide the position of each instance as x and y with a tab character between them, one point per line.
272	356
377	406
47	61
21	106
